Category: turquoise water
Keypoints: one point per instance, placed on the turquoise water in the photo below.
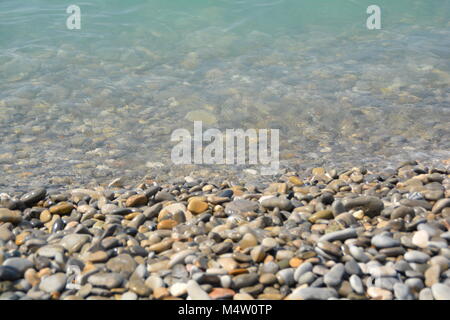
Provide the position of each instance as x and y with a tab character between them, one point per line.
101	101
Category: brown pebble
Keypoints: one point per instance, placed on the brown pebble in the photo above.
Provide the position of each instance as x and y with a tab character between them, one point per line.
45	216
197	206
137	200
295	262
20	239
62	208
98	256
44	272
221	293
32	277
160	293
167	224
236	272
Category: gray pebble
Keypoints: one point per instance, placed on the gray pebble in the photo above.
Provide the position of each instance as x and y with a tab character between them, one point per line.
384	241
334	277
440	291
416	256
20	264
53	283
356	284
302	269
402	292
313	294
339	235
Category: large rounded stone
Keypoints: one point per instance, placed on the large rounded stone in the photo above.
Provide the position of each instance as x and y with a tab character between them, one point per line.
106	280
33	197
7	215
53	283
20	264
313	294
123	263
371	206
74	242
441	291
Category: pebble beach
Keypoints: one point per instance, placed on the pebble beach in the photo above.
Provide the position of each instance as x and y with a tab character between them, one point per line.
94	207
318	234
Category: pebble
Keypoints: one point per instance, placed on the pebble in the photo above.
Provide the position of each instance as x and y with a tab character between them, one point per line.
352	267
440	205
432	275
129	296
33	197
384	241
122	263
286	277
222	248
7	215
307	278
61	208
415	284
379	293
359	254
371	206
426	294
31	276
440	291
5	233
334	277
53	283
195	292
138	286
258	254
323	214
137	200
330	248
179	257
276	202
178	289
106	280
356	284
168	224
73	242
420	239
268	279
154	282
313	294
97	256
340	235
402	292
269	243
19	264
161	293
244	280
240	206
302	269
197	206
248	241
416	256
382	271
402	212
221	294
242	296
9	273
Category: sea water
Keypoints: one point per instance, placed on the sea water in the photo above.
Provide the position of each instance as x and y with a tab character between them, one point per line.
97	95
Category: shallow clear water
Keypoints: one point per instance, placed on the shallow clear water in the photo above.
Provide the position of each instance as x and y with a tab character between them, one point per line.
101	102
